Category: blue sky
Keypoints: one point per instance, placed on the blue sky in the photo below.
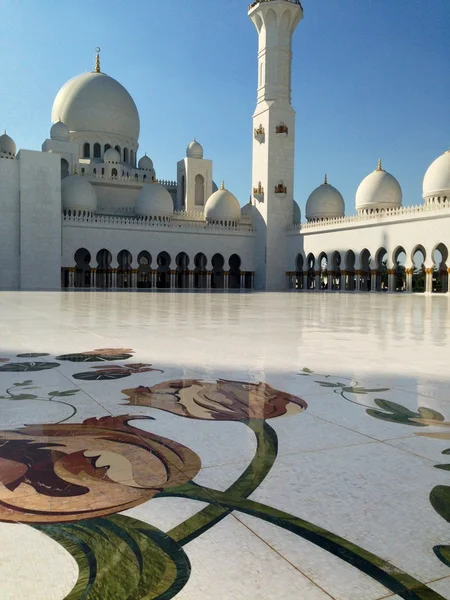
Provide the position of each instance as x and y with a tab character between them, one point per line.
370	78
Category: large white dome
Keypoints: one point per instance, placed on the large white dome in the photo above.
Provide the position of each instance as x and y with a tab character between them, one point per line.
78	194
95	102
436	183
378	191
325	202
153	201
222	206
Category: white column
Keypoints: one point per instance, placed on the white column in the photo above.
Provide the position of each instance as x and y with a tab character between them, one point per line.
409	277
225	280
391	280
71	278
93	277
208	280
305	280
358	281
373	281
317	281
429	280
153	279
172	280
242	281
114	279
191	280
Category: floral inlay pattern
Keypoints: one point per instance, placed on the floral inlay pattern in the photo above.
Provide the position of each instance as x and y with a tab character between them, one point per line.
55	473
222	400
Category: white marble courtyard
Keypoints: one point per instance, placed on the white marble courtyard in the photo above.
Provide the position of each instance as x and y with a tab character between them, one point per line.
343	499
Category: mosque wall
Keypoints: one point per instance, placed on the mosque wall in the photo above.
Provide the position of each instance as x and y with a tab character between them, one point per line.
40	220
9	224
426	228
171	239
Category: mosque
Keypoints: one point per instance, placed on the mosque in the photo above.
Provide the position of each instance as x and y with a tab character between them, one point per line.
88	212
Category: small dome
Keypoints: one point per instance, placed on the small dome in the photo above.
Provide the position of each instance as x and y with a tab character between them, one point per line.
436	183
325	202
7	145
78	194
95	102
194	150
60	132
145	163
222	206
111	156
247	210
153	200
297	215
379	190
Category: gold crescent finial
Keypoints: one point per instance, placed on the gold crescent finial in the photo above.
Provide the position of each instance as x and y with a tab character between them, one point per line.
380	166
325	181
222	187
97	60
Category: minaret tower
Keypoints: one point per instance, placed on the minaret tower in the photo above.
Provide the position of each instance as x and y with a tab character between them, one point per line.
273	137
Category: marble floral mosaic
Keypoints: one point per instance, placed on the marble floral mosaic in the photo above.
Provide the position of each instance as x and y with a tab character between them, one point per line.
72	479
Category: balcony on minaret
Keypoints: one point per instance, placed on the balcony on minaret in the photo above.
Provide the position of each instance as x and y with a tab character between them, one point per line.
282	129
260	134
253	4
258	191
280	189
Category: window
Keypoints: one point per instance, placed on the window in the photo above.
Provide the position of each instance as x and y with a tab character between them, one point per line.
107	147
86	150
97	150
114	173
125	155
199	190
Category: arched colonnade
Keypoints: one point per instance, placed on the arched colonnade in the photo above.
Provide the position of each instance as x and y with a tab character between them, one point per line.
159	272
416	269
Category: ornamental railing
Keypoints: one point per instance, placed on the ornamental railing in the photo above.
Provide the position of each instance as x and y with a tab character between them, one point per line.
419	209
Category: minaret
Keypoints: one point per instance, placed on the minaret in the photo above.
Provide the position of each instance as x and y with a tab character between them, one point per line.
273	137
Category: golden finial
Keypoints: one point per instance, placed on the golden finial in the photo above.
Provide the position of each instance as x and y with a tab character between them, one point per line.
325	181
222	187
97	60
75	172
380	166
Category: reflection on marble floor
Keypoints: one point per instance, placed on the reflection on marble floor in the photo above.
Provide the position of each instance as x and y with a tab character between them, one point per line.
233	446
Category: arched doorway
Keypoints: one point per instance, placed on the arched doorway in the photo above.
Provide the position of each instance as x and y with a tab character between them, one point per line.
163	271
200	273
144	273
365	260
124	260
381	275
234	274
440	269
104	271
199	190
82	268
349	283
298	279
336	270
418	256
323	262
311	279
182	276
217	272
64	168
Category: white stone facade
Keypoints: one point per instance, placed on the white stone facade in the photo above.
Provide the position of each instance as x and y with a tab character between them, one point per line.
85	213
